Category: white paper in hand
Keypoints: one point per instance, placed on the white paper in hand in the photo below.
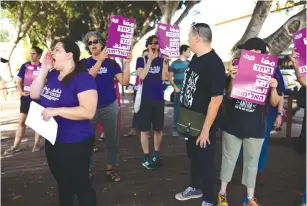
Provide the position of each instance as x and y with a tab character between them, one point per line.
47	129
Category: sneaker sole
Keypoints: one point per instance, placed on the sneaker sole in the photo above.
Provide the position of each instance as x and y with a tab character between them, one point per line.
146	167
9	153
188	198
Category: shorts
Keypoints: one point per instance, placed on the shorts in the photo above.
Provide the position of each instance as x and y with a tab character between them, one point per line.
25	104
151	112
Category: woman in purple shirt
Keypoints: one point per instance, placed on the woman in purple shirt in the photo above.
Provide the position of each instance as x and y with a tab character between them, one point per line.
104	70
69	94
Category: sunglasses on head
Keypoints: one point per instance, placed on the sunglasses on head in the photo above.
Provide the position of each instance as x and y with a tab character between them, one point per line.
96	41
195	26
155	42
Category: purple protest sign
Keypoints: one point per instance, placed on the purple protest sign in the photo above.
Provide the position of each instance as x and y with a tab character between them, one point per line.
251	82
300	41
30	74
169	40
120	36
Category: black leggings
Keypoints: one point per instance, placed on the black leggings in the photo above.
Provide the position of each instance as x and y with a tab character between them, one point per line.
69	165
202	167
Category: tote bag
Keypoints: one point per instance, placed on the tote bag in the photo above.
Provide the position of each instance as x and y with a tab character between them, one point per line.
138	96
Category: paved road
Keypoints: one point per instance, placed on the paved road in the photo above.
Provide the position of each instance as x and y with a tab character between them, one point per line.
26	179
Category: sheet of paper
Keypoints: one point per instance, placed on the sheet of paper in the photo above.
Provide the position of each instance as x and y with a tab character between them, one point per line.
47	129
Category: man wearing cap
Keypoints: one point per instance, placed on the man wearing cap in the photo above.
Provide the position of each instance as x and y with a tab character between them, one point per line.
245	123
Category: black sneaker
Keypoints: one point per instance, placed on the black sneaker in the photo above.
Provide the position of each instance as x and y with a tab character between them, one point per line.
157	160
147	163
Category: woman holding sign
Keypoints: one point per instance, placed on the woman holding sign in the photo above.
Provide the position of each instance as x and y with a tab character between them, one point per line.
104	70
245	122
26	75
152	70
69	95
300	146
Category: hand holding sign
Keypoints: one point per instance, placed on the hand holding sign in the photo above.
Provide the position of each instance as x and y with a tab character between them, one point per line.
233	71
294	55
49	112
103	55
273	83
129	58
166	60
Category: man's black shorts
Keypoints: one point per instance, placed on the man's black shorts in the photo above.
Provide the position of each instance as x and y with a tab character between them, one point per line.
25	104
151	112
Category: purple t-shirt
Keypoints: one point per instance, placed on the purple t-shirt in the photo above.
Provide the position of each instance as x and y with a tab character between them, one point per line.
152	84
55	94
22	72
104	79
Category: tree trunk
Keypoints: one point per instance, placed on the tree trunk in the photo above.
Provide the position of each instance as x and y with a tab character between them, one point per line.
145	27
281	39
22	30
188	7
167	8
260	13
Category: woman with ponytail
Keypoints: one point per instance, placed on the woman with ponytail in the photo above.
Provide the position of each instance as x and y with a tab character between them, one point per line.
69	94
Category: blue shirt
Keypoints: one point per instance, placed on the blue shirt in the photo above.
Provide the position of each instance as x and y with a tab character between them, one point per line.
104	80
152	84
281	83
178	67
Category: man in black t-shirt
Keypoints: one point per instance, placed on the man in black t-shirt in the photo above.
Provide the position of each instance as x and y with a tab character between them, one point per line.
245	122
202	92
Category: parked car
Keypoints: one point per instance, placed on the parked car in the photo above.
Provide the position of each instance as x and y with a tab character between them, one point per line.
169	92
292	85
129	88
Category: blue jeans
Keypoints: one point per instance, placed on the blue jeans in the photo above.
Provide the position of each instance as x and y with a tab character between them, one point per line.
304	197
264	151
176	110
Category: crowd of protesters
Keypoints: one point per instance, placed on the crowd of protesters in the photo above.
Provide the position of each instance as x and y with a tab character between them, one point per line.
87	108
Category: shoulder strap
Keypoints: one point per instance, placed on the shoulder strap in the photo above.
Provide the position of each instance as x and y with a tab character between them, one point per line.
141	82
88	62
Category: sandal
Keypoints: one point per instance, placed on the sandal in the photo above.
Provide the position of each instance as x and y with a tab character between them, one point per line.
112	176
131	133
36	149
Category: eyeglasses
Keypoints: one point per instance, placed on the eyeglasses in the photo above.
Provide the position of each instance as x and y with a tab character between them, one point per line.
96	41
155	42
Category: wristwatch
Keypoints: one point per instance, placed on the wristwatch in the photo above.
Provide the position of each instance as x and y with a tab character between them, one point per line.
280	113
